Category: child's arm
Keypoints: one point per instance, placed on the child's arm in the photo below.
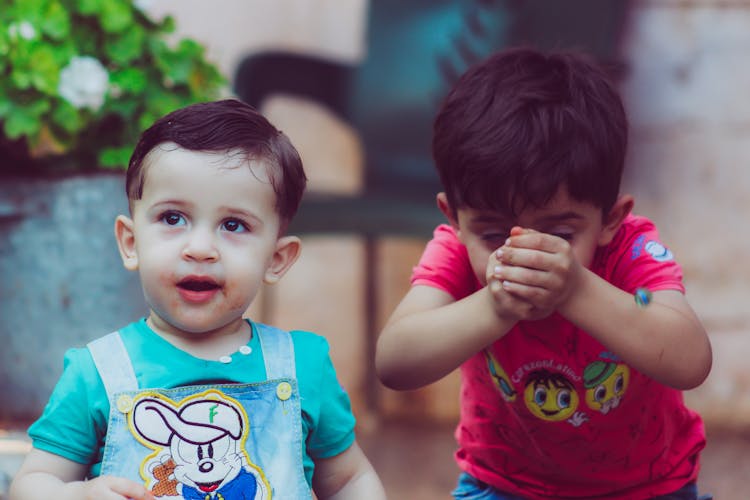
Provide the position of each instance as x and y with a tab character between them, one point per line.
348	475
664	340
430	333
44	475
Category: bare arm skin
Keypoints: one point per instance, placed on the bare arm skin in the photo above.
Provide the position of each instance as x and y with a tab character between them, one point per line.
664	340
430	334
43	476
347	476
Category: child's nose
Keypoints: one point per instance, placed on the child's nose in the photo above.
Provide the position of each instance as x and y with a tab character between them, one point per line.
200	245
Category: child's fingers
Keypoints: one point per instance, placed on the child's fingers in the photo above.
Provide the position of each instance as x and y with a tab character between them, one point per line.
522	274
534	295
524	257
130	489
531	239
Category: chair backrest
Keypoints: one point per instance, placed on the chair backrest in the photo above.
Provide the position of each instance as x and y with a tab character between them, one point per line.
415	51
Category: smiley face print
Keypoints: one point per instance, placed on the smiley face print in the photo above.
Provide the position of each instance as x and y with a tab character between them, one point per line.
550	396
606	383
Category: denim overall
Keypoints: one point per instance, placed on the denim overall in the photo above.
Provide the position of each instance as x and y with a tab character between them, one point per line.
206	442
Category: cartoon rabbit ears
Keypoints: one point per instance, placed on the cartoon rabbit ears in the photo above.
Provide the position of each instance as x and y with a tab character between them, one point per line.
197	422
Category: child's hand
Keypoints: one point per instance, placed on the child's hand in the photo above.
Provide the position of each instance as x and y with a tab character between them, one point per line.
537	268
507	305
114	488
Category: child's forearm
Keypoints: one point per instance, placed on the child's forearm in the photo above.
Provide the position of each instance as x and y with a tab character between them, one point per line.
366	486
43	486
347	476
664	340
419	347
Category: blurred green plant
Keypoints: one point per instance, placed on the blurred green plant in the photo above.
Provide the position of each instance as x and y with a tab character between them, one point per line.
80	79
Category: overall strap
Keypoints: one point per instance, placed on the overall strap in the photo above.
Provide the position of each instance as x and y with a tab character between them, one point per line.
278	351
113	364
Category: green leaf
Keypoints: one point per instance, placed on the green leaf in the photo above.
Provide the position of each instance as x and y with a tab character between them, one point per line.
127	46
5	107
68	117
21	79
116	15
175	66
27	9
4	46
167	25
22	122
55	22
89	7
115	157
130	80
45	72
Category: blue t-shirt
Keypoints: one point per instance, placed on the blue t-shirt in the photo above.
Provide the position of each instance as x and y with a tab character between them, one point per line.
74	422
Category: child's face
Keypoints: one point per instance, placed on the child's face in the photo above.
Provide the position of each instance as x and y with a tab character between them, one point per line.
579	223
203	236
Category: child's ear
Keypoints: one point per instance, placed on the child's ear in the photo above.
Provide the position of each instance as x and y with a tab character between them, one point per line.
287	250
616	215
445	207
126	242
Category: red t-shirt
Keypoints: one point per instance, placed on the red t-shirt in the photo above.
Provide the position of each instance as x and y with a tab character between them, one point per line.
548	412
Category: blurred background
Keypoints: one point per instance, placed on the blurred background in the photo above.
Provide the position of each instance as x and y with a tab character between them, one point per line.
355	85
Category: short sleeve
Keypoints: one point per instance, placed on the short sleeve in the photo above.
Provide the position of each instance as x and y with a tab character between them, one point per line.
73	423
327	411
445	265
637	258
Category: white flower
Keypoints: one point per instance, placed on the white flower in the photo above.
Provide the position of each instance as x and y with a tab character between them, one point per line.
84	82
24	29
143	5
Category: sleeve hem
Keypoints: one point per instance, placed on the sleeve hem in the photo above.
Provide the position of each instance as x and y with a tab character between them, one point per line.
49	447
334	449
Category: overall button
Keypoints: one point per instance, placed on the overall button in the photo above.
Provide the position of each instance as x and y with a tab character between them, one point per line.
245	349
124	403
284	391
225	359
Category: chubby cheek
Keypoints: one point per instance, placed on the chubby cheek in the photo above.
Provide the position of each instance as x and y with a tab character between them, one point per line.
158	285
239	292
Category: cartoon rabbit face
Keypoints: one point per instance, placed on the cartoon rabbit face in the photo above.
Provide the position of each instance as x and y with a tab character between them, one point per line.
206	466
202	437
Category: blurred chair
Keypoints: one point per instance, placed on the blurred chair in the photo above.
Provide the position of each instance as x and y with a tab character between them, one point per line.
415	52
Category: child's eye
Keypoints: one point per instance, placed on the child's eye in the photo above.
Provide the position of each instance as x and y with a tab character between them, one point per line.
173	219
234	226
494	237
565	236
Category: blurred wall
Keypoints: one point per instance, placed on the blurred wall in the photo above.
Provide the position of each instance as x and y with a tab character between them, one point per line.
685	90
686	94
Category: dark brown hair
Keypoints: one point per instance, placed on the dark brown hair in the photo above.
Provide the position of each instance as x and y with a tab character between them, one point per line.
223	126
522	124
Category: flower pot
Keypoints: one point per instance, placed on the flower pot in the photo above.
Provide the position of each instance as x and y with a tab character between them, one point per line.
62	283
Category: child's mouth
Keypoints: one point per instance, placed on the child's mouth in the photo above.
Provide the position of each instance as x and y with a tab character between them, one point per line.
195	289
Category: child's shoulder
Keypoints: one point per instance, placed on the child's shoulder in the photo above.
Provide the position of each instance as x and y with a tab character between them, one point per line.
302	340
632	228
